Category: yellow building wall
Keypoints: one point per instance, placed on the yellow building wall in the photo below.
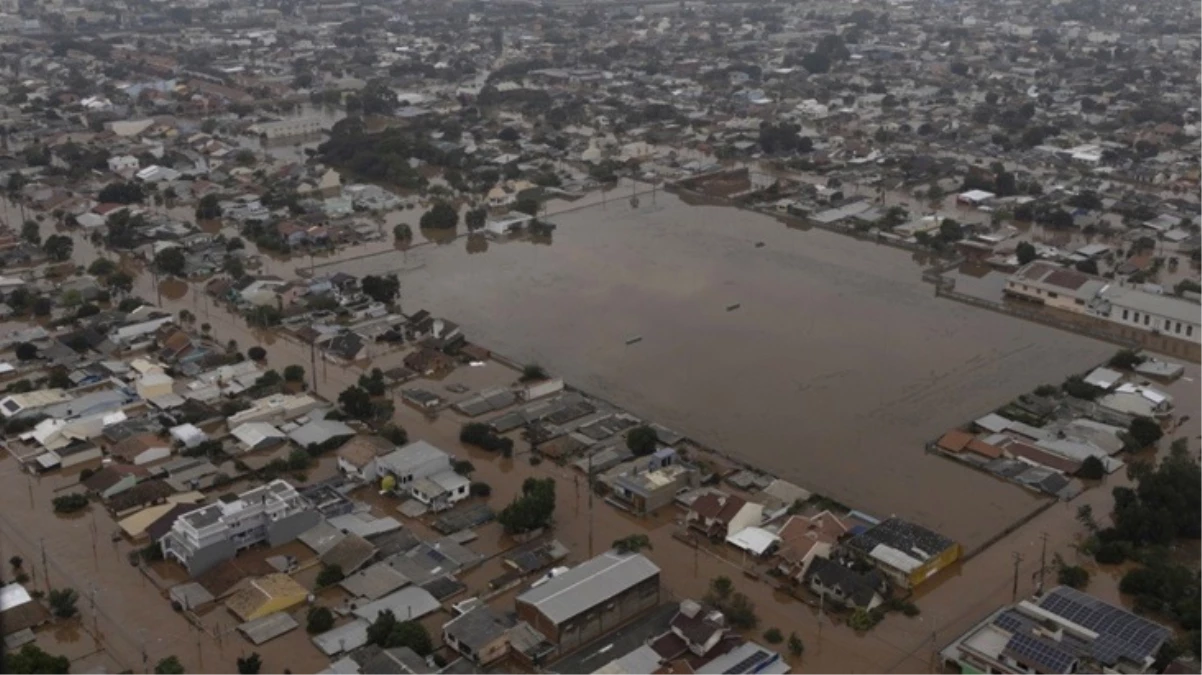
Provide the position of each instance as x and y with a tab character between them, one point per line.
932	567
279	603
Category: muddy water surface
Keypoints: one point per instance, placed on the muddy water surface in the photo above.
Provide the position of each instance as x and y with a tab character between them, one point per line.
833	371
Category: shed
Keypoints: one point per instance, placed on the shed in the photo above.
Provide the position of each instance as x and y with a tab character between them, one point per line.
268	627
406	604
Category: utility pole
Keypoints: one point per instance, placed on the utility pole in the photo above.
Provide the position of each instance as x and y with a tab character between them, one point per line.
1043	561
589	478
313	363
45	567
1018	558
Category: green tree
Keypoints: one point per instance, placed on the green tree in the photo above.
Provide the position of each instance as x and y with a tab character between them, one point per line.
30	232
387	632
169	666
1025	252
171	261
796	646
1074	576
632	543
330	575
402	232
250	665
294	373
383	288
773	636
356	403
208	208
1092	469
1144	431
950	230
475	218
62	602
532	510
527	205
532	372
31	659
58	247
256	353
26	351
441	216
373	383
120	282
1126	359
102	267
642	440
319	620
233	266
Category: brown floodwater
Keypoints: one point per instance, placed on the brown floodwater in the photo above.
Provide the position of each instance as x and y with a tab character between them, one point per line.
834	370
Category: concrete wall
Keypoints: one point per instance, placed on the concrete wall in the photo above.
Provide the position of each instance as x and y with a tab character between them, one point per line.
605	617
287	529
932	566
209	556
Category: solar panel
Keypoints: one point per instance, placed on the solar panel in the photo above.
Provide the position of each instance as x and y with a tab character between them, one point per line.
1120	633
748	664
1039	655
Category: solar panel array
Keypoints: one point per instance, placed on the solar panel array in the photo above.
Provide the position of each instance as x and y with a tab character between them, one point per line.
1040	655
749	664
1120	633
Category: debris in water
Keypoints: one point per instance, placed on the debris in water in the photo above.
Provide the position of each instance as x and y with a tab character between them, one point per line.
637	338
759	244
731	308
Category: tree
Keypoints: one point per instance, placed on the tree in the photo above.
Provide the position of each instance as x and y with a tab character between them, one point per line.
329	575
31	233
387	632
796	646
402	232
373	383
950	230
208	208
1073	576
42	306
250	665
738	608
171	261
773	636
1126	359
294	373
268	379
480	489
356	403
27	351
532	510
320	620
169	666
257	353
233	266
16	561
532	372
441	216
70	503
462	467
527	205
1144	431
121	193
1092	469
642	440
384	288
58	247
475	218
395	434
632	543
62	602
31	659
120	282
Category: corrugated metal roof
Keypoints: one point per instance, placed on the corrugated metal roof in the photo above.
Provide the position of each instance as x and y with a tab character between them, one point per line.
589	584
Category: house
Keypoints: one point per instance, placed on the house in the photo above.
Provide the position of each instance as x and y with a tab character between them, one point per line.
441	491
123	163
19	611
413	462
275	408
719	515
394	661
257	436
844	586
320	433
804	538
140	449
908	554
154	384
1065	631
113	480
18	405
274	513
647	492
591	599
1054	286
357	458
480	635
346	347
265	595
696	628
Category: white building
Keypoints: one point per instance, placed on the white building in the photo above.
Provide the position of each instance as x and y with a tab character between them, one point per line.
275	513
297	126
123	163
425	473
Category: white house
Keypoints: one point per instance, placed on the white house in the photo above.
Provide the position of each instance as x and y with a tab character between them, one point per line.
441	491
414	462
123	163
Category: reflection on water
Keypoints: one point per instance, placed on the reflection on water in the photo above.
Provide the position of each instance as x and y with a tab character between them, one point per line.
172	288
439	236
476	243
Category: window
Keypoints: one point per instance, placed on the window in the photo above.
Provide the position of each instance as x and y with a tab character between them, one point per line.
1053	295
1178	329
1189	331
1125	313
1147	319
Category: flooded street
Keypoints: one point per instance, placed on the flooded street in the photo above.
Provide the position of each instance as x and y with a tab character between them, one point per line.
835	369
